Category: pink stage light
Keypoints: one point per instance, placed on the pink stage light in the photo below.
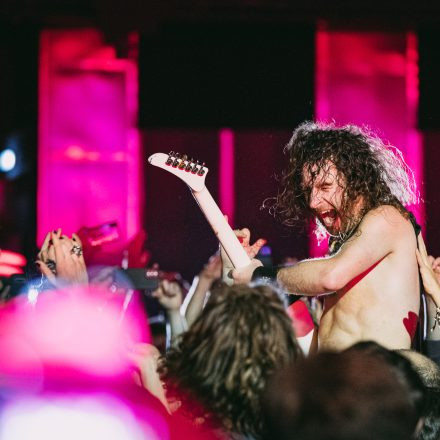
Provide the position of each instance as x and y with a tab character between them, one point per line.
12	258
370	78
89	150
83	328
6	270
66	369
70	418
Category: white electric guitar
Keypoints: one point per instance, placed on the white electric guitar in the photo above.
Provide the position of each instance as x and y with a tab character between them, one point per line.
193	174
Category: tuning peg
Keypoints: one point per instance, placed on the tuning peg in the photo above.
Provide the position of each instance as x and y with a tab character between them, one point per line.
201	171
169	161
182	163
176	160
189	165
195	168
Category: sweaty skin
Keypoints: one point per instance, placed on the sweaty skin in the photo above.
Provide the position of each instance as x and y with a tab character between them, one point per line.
374	277
371	285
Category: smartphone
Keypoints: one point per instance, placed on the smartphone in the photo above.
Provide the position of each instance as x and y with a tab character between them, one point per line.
137	279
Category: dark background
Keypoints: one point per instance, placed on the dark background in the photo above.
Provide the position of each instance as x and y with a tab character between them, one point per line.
183	46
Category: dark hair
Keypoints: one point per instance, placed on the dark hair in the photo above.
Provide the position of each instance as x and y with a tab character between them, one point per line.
426	368
370	169
431	424
338	396
401	368
220	366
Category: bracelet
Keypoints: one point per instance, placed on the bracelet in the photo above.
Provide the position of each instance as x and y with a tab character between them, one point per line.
436	318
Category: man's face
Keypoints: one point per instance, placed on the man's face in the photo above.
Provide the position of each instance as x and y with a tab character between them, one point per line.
326	196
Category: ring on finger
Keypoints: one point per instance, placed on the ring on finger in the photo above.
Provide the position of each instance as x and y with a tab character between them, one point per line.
77	250
51	265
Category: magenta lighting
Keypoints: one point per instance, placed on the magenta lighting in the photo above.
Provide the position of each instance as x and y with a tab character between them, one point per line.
88	146
371	78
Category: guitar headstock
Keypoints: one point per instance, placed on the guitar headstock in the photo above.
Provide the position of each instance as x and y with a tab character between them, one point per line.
191	171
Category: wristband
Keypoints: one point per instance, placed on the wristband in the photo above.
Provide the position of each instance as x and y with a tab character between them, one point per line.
265	274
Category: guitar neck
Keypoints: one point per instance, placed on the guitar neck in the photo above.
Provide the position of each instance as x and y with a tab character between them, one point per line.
221	228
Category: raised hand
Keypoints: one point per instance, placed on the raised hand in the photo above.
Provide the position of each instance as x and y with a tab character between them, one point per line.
212	270
429	270
61	259
243	275
144	358
169	294
244	236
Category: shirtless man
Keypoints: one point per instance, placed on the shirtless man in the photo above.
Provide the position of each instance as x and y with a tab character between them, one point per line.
355	187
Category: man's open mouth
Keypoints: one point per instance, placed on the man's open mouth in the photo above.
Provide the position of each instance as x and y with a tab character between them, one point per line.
328	217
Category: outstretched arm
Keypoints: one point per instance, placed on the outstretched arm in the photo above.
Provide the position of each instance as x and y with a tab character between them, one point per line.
373	241
209	274
170	295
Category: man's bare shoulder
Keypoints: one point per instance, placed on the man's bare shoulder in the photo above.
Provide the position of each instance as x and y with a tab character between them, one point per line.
388	220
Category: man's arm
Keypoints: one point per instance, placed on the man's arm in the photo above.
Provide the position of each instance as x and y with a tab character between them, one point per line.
375	239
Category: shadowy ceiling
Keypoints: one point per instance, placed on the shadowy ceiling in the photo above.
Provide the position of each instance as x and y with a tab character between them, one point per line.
144	14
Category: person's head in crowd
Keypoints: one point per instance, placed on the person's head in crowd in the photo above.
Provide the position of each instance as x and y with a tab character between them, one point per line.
401	367
427	369
220	366
431	416
339	396
429	373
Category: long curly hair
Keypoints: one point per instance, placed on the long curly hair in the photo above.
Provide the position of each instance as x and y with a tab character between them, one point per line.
219	368
367	168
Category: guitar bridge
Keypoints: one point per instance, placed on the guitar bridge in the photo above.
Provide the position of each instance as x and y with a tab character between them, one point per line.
182	162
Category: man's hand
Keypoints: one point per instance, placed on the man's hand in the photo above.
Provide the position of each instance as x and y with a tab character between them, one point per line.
243	275
244	236
429	270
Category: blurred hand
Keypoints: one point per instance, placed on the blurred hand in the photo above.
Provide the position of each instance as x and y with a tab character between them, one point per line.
212	270
429	270
144	358
169	294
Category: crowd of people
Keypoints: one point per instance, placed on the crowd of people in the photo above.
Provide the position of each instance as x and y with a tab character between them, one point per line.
234	365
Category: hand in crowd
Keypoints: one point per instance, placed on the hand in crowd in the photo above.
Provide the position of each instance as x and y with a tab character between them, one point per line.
144	358
212	270
170	295
61	261
429	270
